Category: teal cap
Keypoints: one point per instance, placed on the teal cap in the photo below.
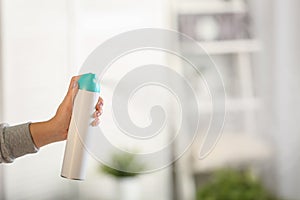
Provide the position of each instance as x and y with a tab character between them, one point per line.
89	82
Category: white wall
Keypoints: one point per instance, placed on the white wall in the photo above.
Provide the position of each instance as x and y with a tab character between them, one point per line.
34	81
279	84
2	194
1	71
44	44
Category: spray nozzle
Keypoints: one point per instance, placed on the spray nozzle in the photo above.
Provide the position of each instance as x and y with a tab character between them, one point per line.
89	82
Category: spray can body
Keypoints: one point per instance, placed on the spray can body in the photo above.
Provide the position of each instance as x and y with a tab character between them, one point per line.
75	157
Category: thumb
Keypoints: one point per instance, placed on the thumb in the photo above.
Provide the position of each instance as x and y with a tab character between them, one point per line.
73	89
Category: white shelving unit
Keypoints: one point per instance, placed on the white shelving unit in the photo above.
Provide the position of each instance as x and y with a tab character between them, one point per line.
209	6
239	50
225	47
241	105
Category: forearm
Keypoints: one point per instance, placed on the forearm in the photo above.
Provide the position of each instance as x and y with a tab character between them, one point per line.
47	132
41	133
16	141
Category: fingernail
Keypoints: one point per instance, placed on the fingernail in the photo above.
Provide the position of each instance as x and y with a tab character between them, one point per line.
75	84
95	123
96	114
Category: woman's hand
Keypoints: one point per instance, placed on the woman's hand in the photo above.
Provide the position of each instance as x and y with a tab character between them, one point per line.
56	129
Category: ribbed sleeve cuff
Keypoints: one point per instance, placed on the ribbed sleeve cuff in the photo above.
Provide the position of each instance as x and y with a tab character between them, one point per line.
19	140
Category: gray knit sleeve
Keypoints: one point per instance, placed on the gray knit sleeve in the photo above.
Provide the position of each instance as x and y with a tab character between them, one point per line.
15	141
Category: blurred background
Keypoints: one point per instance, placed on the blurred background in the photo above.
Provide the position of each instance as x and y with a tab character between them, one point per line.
255	44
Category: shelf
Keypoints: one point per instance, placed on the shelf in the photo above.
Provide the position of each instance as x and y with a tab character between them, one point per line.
210	7
251	150
234	105
223	47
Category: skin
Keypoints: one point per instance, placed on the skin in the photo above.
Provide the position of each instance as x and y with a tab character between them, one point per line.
56	129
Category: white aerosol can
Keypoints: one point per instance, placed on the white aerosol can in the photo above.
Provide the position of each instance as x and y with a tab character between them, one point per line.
75	158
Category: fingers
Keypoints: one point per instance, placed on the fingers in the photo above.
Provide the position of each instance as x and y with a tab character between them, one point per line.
99	104
98	112
99	107
96	122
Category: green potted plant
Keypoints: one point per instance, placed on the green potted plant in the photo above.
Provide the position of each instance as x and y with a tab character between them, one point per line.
230	184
